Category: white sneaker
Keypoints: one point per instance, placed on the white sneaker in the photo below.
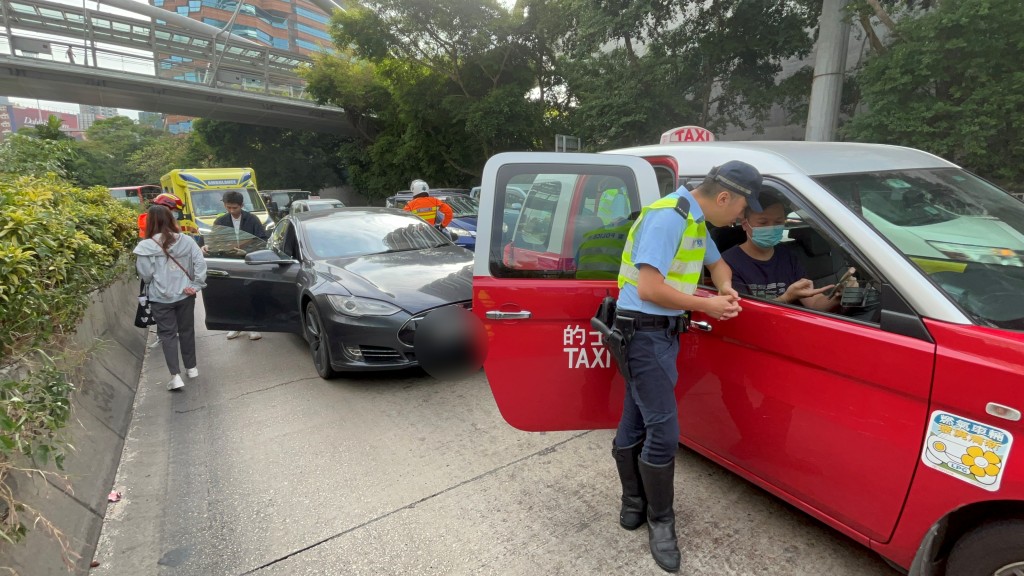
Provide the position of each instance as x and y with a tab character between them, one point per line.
175	383
192	372
255	335
233	334
155	343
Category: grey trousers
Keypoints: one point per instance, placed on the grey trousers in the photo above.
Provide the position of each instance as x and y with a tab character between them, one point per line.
176	325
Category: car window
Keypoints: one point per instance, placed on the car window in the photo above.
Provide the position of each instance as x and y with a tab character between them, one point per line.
964	233
560	212
209	203
226	242
666	180
345	235
463	206
807	251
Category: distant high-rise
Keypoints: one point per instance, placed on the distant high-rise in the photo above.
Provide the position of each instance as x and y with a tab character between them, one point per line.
152	119
295	25
90	114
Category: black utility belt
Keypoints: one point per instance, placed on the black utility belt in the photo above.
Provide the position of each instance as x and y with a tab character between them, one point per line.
648	322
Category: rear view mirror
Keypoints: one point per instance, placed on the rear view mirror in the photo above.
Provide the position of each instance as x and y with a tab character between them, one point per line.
517	206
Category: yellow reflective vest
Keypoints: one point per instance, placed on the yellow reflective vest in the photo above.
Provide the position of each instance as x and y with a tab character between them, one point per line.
684	273
600	252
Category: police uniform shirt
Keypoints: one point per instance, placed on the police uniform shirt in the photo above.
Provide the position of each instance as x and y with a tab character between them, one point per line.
655	243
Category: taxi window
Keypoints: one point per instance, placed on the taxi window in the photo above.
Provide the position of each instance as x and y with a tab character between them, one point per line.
542	238
807	251
666	180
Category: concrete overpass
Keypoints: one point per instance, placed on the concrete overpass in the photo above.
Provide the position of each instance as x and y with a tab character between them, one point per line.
126	54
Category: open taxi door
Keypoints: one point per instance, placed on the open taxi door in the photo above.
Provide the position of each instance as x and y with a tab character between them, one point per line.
539	275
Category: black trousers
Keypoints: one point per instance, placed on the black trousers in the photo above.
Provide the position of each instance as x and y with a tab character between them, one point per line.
176	326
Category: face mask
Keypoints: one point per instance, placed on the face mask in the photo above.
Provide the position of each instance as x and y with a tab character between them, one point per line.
767	236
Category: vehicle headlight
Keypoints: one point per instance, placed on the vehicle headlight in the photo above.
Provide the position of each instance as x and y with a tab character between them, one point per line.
462	232
357	306
982	254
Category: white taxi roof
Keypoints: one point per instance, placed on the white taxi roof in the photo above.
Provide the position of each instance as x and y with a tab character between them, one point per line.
811	158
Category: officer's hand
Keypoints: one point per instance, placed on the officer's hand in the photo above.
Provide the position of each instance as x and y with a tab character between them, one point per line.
729	291
802	288
723	307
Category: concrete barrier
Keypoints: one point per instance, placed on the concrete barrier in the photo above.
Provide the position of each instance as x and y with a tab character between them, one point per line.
102	412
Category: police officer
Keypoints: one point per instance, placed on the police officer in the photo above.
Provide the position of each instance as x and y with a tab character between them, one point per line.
661	266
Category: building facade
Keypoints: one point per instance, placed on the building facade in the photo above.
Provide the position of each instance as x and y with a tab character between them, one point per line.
90	114
294	25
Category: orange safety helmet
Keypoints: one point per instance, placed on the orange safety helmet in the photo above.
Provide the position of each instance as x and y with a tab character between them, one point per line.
170	201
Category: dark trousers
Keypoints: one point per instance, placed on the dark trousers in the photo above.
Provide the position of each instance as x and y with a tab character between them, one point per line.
176	325
650	407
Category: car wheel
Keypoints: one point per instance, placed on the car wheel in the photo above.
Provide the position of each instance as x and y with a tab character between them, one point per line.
994	549
319	347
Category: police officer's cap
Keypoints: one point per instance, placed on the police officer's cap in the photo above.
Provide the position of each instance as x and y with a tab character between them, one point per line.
740	178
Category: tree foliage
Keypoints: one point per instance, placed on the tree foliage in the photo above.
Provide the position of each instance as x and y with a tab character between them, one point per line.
960	98
103	157
282	158
431	88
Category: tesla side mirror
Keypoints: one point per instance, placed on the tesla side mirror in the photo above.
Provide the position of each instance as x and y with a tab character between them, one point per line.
266	257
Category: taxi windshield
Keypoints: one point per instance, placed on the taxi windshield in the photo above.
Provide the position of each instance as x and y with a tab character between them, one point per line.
208	202
963	232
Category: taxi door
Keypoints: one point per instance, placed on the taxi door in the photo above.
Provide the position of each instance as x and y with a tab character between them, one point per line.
546	365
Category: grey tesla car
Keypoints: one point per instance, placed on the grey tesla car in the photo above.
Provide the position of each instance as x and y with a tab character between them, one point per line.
353	282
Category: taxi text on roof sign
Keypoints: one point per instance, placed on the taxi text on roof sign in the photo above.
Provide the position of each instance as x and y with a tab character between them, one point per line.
687	134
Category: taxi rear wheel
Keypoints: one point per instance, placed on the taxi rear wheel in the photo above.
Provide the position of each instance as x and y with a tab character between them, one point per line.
993	549
319	347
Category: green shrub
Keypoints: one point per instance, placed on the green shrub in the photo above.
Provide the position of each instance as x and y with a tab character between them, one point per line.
58	243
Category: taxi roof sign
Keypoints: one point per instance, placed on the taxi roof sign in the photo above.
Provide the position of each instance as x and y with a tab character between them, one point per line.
688	134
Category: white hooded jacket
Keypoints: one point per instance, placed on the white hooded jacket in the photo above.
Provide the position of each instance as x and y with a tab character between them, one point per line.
166	282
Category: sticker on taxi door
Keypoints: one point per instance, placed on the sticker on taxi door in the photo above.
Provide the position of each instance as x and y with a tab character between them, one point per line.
973	452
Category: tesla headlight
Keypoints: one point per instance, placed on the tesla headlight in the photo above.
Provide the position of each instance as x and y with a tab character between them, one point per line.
983	254
356	306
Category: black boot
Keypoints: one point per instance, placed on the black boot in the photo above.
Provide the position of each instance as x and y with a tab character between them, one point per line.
659	486
633	513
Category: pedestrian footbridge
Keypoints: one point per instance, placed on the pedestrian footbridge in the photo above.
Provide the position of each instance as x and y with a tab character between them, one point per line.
127	54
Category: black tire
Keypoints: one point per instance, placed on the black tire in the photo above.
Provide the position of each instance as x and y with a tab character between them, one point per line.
319	346
993	549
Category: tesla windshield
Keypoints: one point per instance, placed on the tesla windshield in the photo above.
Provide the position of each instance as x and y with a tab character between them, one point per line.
349	234
966	234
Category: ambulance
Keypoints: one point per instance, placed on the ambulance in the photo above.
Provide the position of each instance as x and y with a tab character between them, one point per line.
201	190
894	419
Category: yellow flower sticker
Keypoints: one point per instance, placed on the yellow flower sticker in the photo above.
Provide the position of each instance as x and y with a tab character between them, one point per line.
967	450
981	462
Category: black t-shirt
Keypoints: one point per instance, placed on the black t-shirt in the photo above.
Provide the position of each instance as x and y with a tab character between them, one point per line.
763	279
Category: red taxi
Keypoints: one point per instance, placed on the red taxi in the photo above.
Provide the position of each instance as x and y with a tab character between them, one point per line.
892	420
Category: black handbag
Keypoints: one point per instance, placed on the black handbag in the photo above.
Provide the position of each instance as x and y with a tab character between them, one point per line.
144	312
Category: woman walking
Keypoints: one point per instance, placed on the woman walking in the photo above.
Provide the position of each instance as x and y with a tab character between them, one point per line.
174	270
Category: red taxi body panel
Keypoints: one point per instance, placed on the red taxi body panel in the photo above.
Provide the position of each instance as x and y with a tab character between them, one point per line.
974	366
833	414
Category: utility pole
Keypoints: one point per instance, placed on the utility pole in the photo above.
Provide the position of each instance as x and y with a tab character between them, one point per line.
829	70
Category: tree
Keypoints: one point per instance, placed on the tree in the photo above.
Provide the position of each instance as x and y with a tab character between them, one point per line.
956	98
637	68
166	153
432	90
25	155
49	130
281	158
103	158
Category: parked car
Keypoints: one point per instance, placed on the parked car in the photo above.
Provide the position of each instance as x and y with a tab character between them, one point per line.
299	206
465	212
353	282
279	202
892	419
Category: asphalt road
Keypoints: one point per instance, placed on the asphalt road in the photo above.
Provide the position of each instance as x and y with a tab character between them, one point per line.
260	467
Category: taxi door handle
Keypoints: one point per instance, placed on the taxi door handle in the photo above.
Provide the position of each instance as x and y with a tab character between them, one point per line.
499	315
700	325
